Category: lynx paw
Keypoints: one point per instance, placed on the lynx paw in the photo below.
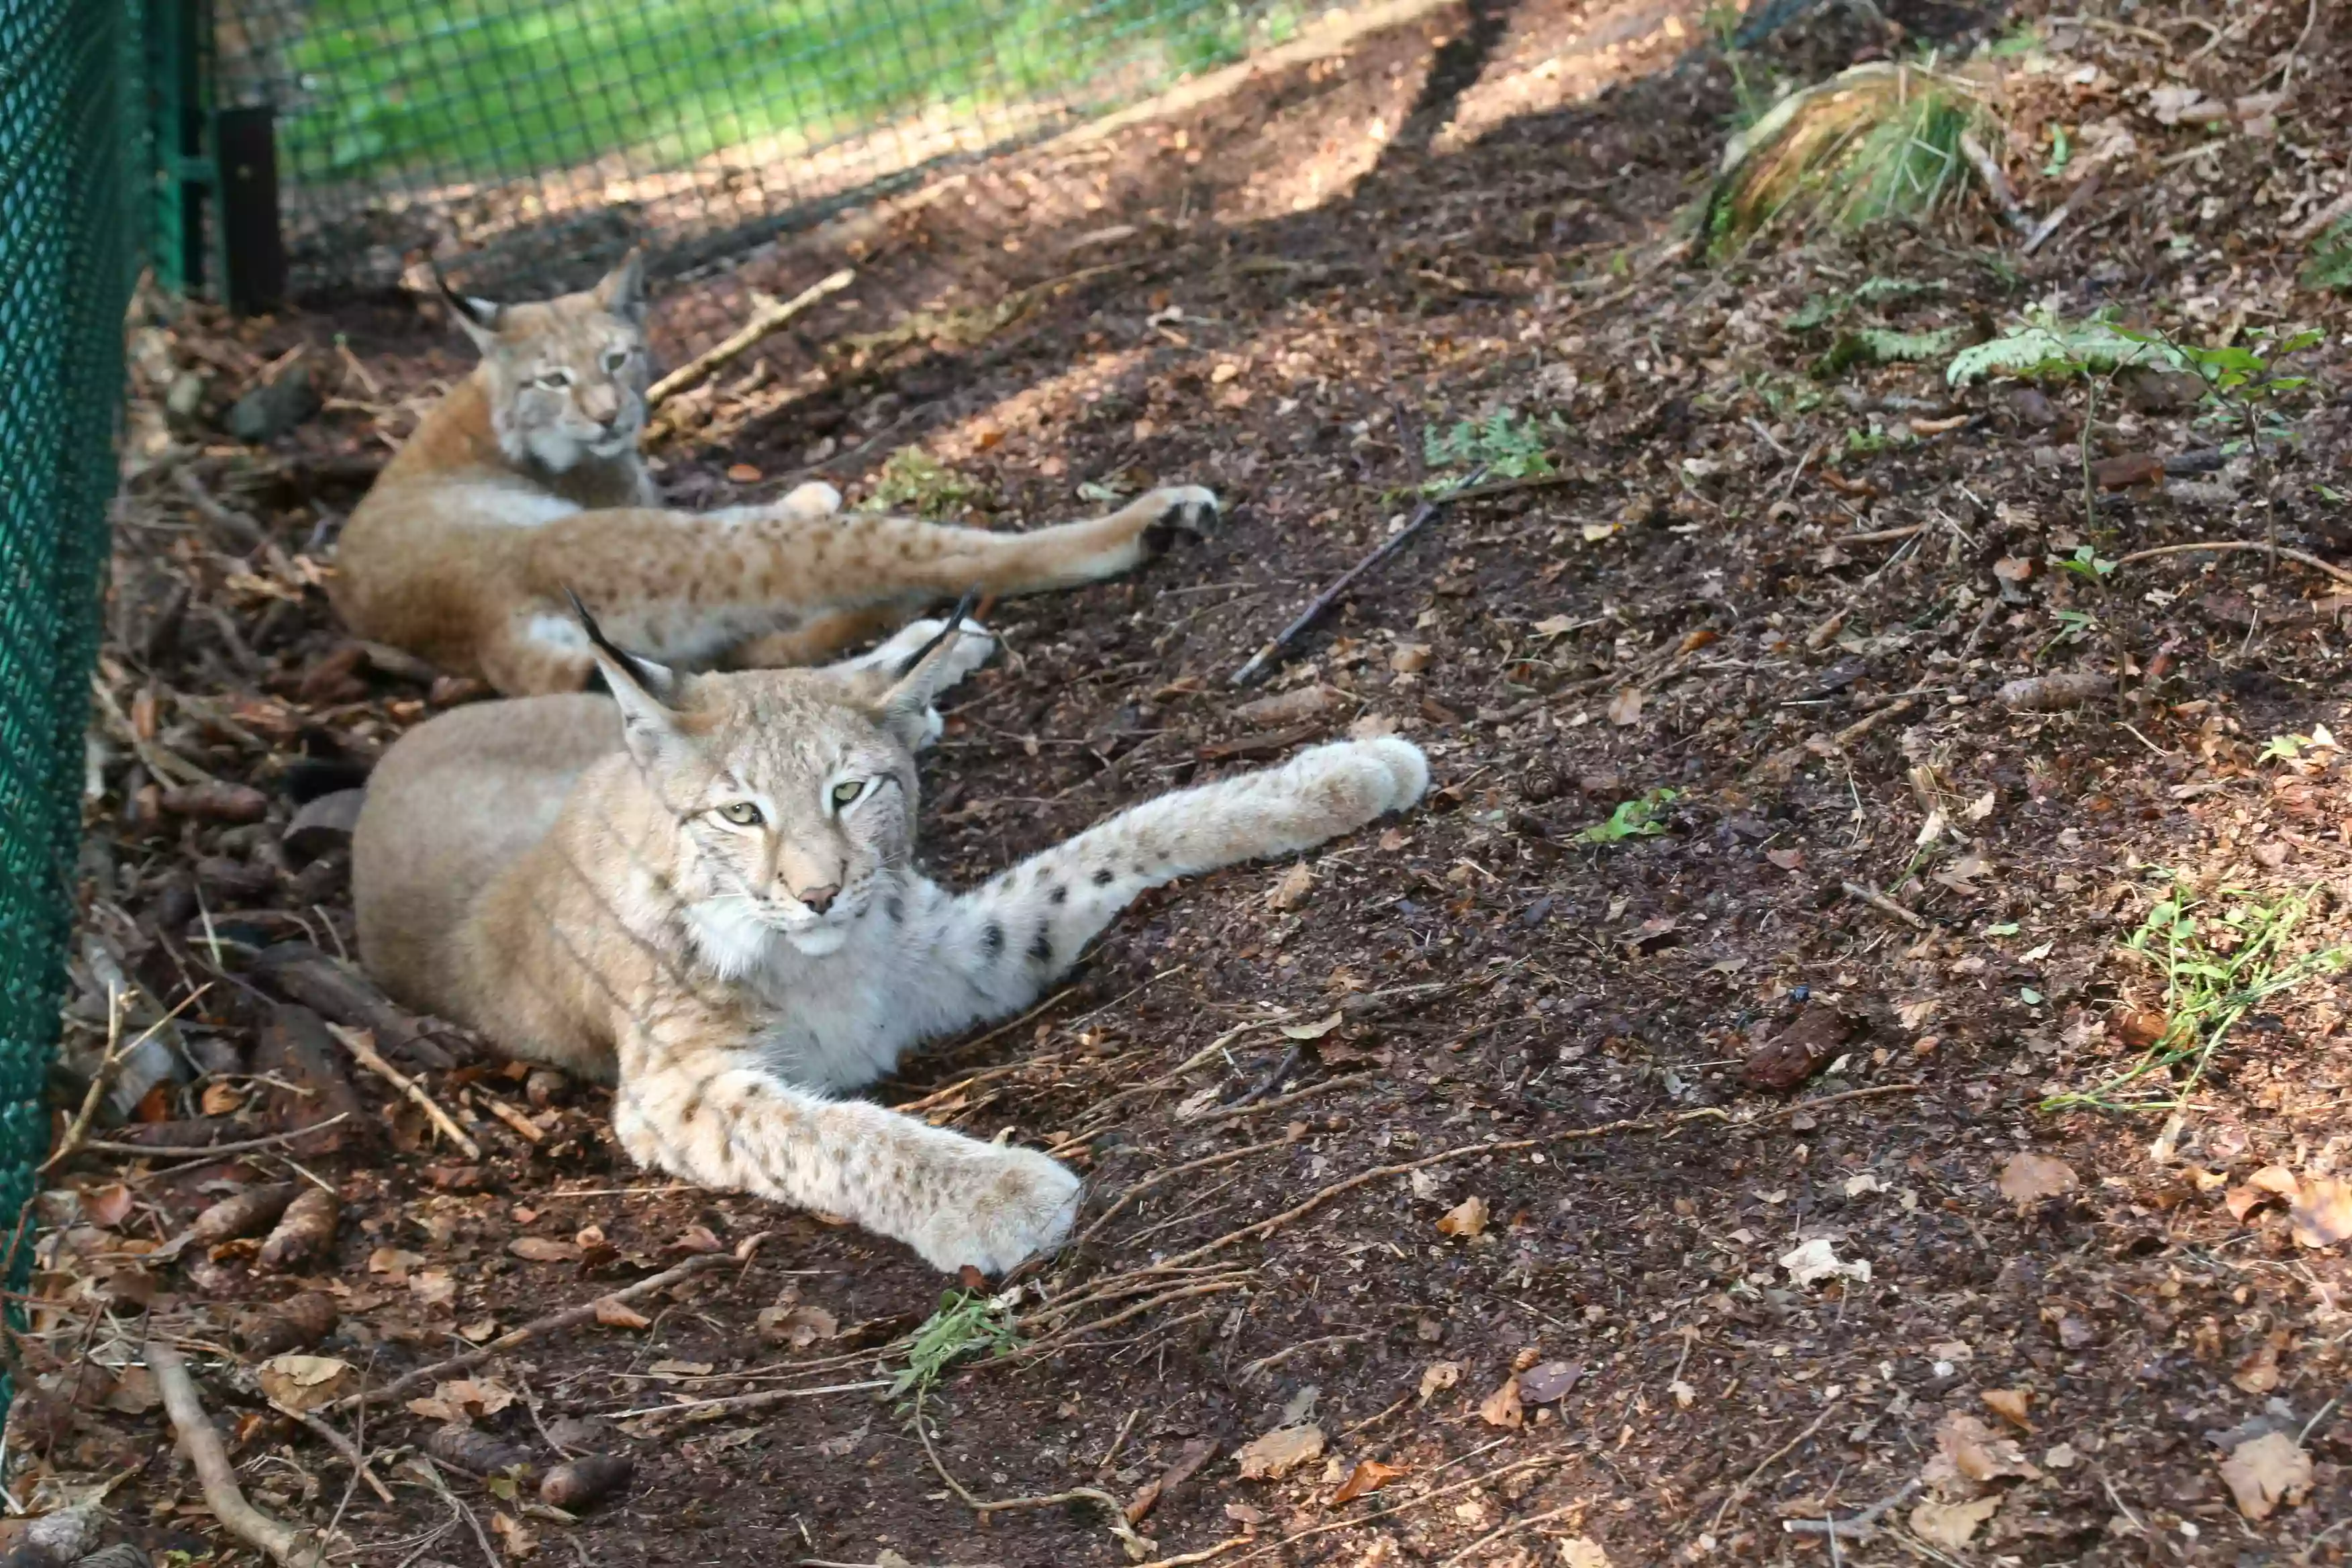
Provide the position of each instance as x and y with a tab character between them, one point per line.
1007	1204
1189	510
813	499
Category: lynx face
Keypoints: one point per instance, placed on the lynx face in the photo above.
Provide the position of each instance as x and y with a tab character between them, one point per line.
567	377
792	791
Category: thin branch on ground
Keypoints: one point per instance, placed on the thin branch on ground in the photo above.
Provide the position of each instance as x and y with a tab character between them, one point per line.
214	1150
1139	1547
769	317
343	1446
356	1042
2216	546
1765	1463
284	1544
1855	1526
554	1322
1514	1528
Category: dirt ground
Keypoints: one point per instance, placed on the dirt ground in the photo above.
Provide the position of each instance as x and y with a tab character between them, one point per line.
1456	1143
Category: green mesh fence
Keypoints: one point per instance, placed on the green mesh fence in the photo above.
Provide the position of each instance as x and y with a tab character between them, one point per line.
538	138
68	131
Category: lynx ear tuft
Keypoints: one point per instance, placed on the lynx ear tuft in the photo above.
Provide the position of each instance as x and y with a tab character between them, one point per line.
479	318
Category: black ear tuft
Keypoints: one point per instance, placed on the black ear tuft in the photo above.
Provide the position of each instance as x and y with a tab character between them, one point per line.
471	309
643	673
955	622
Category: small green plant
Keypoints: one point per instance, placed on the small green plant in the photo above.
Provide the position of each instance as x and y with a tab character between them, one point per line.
2242	379
2330	266
967	1323
2048	347
1505	445
2074	627
2218	963
2286	748
2088	565
1884	345
914	481
1643	818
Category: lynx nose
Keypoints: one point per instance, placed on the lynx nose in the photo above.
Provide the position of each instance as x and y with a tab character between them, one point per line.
820	898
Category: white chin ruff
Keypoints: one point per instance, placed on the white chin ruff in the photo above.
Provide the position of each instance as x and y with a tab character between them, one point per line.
818	942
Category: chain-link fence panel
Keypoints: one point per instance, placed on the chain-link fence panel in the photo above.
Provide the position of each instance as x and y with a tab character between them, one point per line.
69	125
539	139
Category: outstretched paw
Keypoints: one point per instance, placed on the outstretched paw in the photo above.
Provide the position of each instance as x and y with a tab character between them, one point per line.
1008	1205
1189	510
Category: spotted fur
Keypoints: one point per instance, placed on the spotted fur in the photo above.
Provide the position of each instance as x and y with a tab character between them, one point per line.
526	481
702	890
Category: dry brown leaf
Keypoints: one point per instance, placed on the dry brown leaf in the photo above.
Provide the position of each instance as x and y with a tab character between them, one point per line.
1466	1219
1626	708
2010	1405
2322	1214
1279	1452
1950	1524
392	1263
1787	859
2028	1178
544	1249
433	1287
2242	1201
518	1537
220	1099
1291	889
463	1400
2259	1372
1582	1552
1502	1407
298	1383
2266	1471
134	1393
618	1314
2277	1181
1977	1452
1437	1376
1369	1475
799	1326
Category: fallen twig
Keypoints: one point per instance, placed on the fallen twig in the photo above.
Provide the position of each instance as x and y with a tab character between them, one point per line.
1513	1528
1854	1527
766	319
2313	562
1139	1547
1884	905
1158	1177
357	1042
1250	1108
571	1317
283	1543
343	1446
117	1003
723	1403
1095	1291
1996	183
207	1152
1765	1463
2068	208
1423	516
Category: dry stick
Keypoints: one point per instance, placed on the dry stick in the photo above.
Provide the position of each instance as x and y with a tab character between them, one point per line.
1154	1180
207	1152
1423	1501
2313	562
1047	1346
2072	205
1996	183
100	1081
721	1405
1498	1146
1854	1527
2319	220
425	1467
1326	1087
1884	905
284	1544
770	316
1774	1458
1578	1507
347	1448
571	1317
1423	516
1137	1546
356	1042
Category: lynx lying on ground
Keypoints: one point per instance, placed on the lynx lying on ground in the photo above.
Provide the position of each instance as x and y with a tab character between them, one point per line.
525	482
702	890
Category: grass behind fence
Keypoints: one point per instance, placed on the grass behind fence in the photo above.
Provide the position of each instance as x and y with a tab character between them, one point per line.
468	90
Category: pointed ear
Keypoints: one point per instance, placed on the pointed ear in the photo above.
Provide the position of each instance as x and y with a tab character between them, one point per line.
904	709
622	291
478	317
641	689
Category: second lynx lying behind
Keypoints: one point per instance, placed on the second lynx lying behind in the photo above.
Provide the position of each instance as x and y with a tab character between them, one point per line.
702	890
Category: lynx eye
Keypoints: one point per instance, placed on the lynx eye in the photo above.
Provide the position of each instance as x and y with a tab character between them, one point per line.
741	813
555	378
845	793
615	358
